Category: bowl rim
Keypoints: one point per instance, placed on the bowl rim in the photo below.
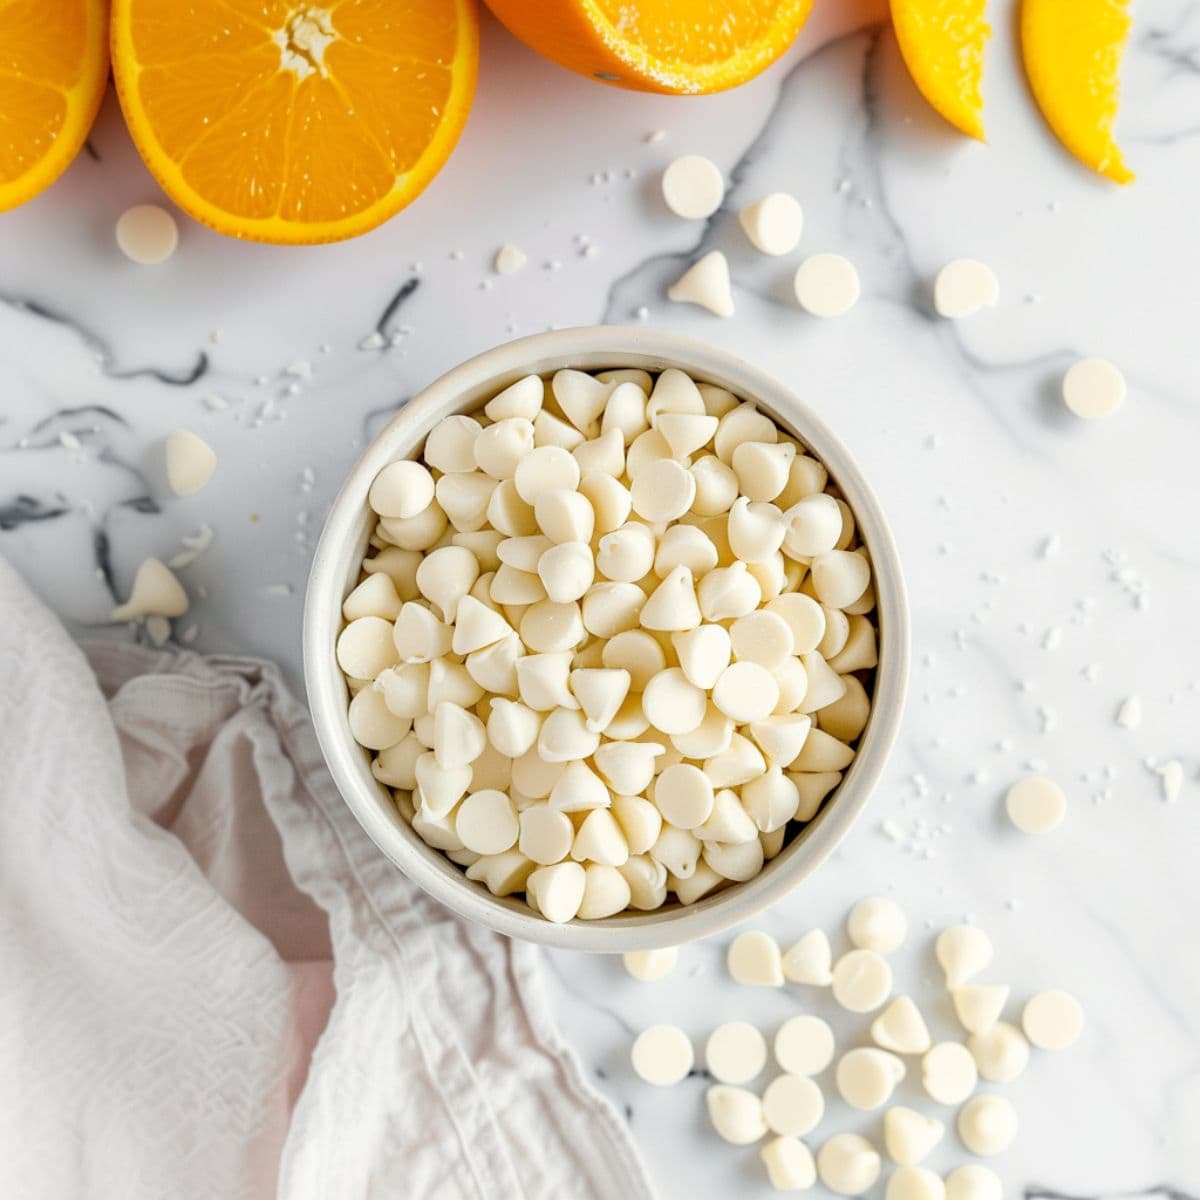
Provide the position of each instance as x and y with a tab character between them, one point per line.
595	348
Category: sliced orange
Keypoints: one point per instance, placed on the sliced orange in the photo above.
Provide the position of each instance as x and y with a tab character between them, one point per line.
676	46
942	42
1072	51
294	122
53	70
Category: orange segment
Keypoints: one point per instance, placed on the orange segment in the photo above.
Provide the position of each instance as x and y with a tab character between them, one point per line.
677	46
53	69
1072	51
942	42
285	121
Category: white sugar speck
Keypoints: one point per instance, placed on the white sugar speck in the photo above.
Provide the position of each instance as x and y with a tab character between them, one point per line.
1129	715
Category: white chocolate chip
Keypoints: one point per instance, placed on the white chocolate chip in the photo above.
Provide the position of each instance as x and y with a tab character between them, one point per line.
578	788
736	1114
771	799
191	462
762	637
862	980
781	738
580	396
754	959
692	187
566	572
685	546
948	1072
793	1105
1093	387
684	795
546	834
839	577
962	951
901	1028
804	1045
459	738
557	891
809	961
706	283
440	788
545	469
866	1077
987	1124
599	839
910	1136
147	234
672	704
741	763
756	530
450	446
728	592
1036	804
628	766
762	468
826	285
605	892
376	597
773	224
508	260
716	486
486	822
963	287
1001	1054
745	692
789	1163
978	1006
915	1183
565	738
974	1182
735	1052
372	724
600	693
672	606
877	923
848	1164
814	525
651	965
157	592
445	576
661	1055
663	491
520	399
1052	1020
364	648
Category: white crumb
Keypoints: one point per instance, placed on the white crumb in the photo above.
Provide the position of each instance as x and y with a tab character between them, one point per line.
1129	715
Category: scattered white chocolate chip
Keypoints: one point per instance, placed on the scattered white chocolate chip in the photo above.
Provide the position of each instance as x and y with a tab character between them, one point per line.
909	1136
661	1055
190	462
987	1124
848	1164
736	1114
810	960
826	285
1036	804
509	259
1001	1054
948	1072
693	187
793	1105
963	287
754	959
1093	387
901	1028
962	952
915	1183
147	234
789	1164
877	923
974	1182
774	223
862	981
156	592
706	283
735	1052
804	1045
1052	1020
651	965
866	1077
978	1006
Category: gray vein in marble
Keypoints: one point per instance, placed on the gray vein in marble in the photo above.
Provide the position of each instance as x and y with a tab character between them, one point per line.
23	510
105	355
393	306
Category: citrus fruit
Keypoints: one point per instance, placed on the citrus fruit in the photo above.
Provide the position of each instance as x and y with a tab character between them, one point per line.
285	121
942	43
53	70
1072	52
677	46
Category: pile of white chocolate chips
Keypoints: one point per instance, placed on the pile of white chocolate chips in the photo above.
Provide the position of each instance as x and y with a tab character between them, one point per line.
614	639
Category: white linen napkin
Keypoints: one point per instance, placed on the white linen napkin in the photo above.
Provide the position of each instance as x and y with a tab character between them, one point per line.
213	985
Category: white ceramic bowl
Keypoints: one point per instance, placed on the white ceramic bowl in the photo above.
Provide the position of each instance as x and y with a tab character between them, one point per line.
335	571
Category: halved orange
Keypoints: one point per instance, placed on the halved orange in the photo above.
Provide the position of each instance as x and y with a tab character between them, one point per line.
1072	51
285	121
53	70
676	46
942	43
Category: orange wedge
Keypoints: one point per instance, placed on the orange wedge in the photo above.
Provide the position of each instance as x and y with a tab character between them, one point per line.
942	42
676	46
53	70
294	122
1072	51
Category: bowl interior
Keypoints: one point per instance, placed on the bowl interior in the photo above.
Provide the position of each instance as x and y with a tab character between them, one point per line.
336	569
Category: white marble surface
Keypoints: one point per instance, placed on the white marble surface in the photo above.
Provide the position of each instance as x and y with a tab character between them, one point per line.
958	426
